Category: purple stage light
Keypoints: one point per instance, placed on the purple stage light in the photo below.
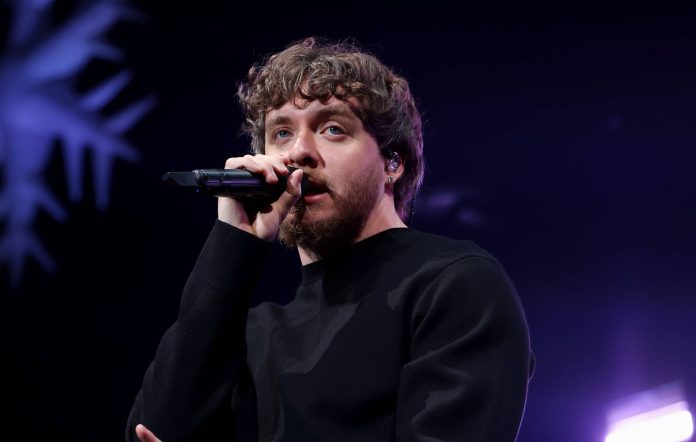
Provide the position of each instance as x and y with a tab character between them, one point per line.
39	105
658	415
672	423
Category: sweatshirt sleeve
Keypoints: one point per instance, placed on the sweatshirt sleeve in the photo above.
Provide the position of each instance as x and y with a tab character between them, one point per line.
470	358
187	389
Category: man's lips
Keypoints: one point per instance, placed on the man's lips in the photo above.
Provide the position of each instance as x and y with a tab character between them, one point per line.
312	197
314	192
313	187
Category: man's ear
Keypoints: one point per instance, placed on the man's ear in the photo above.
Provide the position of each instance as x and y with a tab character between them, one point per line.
394	162
394	167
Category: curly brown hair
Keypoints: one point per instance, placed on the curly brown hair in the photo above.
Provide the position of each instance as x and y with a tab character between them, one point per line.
316	70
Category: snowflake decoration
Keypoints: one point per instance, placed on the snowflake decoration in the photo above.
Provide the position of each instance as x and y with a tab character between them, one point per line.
39	105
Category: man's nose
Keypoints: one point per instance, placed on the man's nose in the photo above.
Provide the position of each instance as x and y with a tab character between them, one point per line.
304	150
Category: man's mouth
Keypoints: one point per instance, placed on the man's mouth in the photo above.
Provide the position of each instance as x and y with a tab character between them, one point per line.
313	192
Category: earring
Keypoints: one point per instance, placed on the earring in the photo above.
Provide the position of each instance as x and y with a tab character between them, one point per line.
390	179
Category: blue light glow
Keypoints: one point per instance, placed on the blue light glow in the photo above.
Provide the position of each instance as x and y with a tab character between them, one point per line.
38	105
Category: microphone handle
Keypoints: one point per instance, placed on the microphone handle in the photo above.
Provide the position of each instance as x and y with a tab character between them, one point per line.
236	183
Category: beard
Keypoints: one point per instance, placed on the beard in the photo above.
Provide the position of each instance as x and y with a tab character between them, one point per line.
322	237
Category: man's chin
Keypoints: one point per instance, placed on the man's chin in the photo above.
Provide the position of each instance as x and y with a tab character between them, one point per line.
318	231
331	222
309	213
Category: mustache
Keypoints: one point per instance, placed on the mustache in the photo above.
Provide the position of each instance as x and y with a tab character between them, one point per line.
317	181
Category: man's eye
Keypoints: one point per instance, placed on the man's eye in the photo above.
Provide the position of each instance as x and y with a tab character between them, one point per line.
282	133
335	130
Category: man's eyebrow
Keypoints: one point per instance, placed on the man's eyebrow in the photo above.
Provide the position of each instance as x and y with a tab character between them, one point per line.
324	113
277	120
335	110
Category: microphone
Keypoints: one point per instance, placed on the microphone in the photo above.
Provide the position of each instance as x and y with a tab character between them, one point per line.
236	183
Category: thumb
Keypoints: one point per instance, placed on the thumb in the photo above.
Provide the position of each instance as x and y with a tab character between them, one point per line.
292	194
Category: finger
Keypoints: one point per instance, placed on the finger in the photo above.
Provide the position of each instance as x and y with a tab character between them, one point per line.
279	165
234	163
261	165
255	164
144	434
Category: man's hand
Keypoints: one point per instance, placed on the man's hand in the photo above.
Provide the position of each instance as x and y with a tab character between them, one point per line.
144	434
266	223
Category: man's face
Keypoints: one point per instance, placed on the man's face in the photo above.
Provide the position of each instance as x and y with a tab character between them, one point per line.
342	161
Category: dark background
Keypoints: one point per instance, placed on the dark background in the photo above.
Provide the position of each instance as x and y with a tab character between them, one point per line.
564	141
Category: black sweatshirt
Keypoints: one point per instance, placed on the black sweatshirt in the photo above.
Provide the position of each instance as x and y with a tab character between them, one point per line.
403	336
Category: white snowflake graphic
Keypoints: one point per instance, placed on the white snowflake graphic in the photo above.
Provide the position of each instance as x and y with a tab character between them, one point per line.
38	105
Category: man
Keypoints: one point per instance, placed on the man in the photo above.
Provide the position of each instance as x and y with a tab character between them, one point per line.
393	334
